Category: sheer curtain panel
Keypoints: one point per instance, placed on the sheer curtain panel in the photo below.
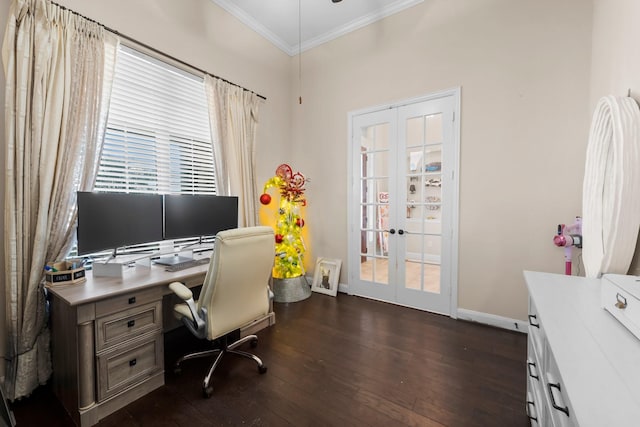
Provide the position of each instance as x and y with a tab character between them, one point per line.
56	101
234	118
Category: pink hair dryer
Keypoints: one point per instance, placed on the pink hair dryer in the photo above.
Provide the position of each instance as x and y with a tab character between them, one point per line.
569	236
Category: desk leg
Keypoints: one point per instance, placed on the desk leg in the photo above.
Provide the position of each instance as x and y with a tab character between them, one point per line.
86	365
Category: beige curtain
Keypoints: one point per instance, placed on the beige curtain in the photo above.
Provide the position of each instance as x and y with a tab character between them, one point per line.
233	114
56	101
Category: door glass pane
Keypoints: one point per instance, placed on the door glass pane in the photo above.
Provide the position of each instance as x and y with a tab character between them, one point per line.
366	268
433	129
423	185
413	274
431	278
374	269
374	163
374	199
376	137
415	132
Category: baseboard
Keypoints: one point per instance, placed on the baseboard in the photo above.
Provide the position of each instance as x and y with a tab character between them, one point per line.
476	316
343	287
493	320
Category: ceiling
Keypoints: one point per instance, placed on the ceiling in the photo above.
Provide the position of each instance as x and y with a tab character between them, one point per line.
322	20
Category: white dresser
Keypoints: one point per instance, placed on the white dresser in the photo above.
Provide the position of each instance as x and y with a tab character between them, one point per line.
583	366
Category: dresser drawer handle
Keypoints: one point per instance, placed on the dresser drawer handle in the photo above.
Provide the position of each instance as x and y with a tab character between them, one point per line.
132	300
531	317
564	409
531	374
133	362
131	323
529	405
621	302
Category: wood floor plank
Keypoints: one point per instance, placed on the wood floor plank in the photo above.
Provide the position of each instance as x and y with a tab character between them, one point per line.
343	361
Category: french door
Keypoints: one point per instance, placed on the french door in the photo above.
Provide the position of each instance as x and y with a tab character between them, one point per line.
403	204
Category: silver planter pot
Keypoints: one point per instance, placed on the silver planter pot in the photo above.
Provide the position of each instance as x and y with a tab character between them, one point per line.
291	290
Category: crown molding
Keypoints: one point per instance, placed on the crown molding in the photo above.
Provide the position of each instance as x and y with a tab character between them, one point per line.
356	24
294	49
256	26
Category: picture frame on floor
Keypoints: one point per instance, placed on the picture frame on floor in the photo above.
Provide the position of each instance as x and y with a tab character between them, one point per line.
326	276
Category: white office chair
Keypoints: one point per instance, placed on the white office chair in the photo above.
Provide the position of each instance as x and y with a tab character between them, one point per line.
235	294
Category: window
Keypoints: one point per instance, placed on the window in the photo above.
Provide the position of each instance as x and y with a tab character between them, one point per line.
157	137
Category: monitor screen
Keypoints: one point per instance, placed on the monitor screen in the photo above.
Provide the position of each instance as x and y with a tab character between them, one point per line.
112	220
191	215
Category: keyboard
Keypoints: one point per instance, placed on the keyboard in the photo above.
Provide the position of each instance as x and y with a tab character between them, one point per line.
179	266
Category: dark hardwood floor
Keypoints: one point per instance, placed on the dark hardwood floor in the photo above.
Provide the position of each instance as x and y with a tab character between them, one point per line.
344	361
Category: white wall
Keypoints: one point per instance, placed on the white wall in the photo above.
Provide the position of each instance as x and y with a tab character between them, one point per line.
524	71
615	63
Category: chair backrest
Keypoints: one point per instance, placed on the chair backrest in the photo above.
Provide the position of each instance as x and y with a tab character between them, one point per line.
235	291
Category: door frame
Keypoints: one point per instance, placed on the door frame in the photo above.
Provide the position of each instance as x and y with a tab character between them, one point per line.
352	186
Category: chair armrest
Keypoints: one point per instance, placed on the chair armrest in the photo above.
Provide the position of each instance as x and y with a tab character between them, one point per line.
181	291
198	323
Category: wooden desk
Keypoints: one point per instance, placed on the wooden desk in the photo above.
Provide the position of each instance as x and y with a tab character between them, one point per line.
107	338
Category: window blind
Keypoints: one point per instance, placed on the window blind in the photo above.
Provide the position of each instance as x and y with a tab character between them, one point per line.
158	138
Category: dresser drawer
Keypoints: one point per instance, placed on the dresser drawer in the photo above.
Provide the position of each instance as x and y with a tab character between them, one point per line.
532	410
536	334
128	324
126	366
537	409
559	406
127	301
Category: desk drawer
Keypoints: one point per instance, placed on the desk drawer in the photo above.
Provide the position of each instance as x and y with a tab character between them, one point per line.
124	367
128	301
125	325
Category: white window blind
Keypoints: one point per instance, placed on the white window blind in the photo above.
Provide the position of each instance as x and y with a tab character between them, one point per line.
158	138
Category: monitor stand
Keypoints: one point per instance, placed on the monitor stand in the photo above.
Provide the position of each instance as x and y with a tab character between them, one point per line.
172	260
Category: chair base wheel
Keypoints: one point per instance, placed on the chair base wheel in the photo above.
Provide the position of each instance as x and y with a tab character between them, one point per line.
177	370
262	369
207	392
254	343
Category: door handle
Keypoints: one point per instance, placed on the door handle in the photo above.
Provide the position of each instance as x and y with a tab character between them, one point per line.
392	231
401	232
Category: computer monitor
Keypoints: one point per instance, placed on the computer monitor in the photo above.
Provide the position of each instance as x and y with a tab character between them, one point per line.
193	215
112	220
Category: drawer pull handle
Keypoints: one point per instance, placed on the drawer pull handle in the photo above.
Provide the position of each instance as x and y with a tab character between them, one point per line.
621	302
133	362
564	409
132	300
531	374
529	405
531	317
131	323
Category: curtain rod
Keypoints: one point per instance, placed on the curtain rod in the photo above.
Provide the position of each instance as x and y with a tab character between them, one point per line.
154	50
